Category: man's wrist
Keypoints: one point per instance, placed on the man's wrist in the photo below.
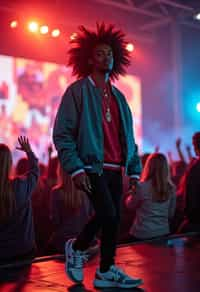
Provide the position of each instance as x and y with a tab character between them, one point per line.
77	173
133	180
134	176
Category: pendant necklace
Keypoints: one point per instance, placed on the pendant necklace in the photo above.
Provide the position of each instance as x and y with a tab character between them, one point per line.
107	100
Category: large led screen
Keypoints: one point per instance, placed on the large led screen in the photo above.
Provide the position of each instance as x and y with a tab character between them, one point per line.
30	92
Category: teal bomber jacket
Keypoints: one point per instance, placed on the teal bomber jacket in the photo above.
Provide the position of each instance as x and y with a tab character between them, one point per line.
78	133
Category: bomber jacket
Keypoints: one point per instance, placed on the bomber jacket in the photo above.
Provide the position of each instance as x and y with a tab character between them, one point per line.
78	132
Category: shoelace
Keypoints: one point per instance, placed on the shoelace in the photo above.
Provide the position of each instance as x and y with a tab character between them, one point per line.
118	273
80	258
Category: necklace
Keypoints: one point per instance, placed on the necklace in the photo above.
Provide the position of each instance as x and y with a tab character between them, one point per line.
106	95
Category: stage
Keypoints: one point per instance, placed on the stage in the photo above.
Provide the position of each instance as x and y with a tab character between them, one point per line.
163	267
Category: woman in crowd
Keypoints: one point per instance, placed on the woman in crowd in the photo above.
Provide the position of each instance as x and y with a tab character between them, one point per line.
70	209
154	200
17	240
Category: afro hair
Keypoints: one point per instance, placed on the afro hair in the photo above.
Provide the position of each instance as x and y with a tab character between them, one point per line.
86	40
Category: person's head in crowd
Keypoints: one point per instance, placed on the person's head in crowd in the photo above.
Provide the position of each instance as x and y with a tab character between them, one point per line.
156	170
22	166
7	199
71	195
196	143
178	169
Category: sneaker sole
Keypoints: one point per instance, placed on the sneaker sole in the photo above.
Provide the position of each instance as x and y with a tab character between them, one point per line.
109	284
69	274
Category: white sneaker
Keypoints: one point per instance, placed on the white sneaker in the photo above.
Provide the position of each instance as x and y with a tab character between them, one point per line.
115	277
74	261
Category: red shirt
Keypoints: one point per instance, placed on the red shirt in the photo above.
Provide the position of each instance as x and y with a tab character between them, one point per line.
112	142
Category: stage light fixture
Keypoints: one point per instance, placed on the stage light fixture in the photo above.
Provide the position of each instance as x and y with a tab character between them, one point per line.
197	16
55	33
33	26
73	36
14	24
130	47
198	107
44	29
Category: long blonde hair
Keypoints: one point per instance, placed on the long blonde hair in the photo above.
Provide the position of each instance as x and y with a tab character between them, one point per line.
7	198
156	170
72	197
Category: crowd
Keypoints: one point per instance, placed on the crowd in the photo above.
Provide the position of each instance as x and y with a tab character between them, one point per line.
40	208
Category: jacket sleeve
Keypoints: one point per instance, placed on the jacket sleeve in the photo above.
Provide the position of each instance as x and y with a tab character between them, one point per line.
134	166
65	133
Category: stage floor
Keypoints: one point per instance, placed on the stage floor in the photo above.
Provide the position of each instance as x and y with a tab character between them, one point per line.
163	269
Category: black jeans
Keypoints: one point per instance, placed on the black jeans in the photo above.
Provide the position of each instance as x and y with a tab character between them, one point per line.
106	200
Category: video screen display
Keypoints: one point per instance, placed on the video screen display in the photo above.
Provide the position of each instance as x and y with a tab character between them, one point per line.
30	93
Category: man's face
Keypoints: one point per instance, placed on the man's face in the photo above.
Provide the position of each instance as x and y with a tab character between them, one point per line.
102	58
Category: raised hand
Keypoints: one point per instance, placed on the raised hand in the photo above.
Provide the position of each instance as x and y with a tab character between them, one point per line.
24	144
188	148
178	142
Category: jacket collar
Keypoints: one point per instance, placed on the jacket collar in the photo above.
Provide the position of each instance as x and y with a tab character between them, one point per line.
114	90
93	83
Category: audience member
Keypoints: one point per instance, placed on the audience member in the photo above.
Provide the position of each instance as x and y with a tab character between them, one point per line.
192	191
16	225
154	199
70	210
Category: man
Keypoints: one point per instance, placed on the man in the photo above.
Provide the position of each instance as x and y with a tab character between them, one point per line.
192	189
94	138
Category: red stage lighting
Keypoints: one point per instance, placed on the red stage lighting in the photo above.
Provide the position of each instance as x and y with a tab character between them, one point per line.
14	24
73	36
55	33
130	47
33	26
44	29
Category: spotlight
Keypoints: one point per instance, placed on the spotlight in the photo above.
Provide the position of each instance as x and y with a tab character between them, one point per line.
73	36
33	26
55	33
130	47
198	107
44	29
14	24
197	16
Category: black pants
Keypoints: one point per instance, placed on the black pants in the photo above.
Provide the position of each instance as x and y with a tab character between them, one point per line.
106	200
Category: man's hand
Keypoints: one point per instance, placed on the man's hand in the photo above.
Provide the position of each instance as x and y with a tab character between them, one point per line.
82	182
133	182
